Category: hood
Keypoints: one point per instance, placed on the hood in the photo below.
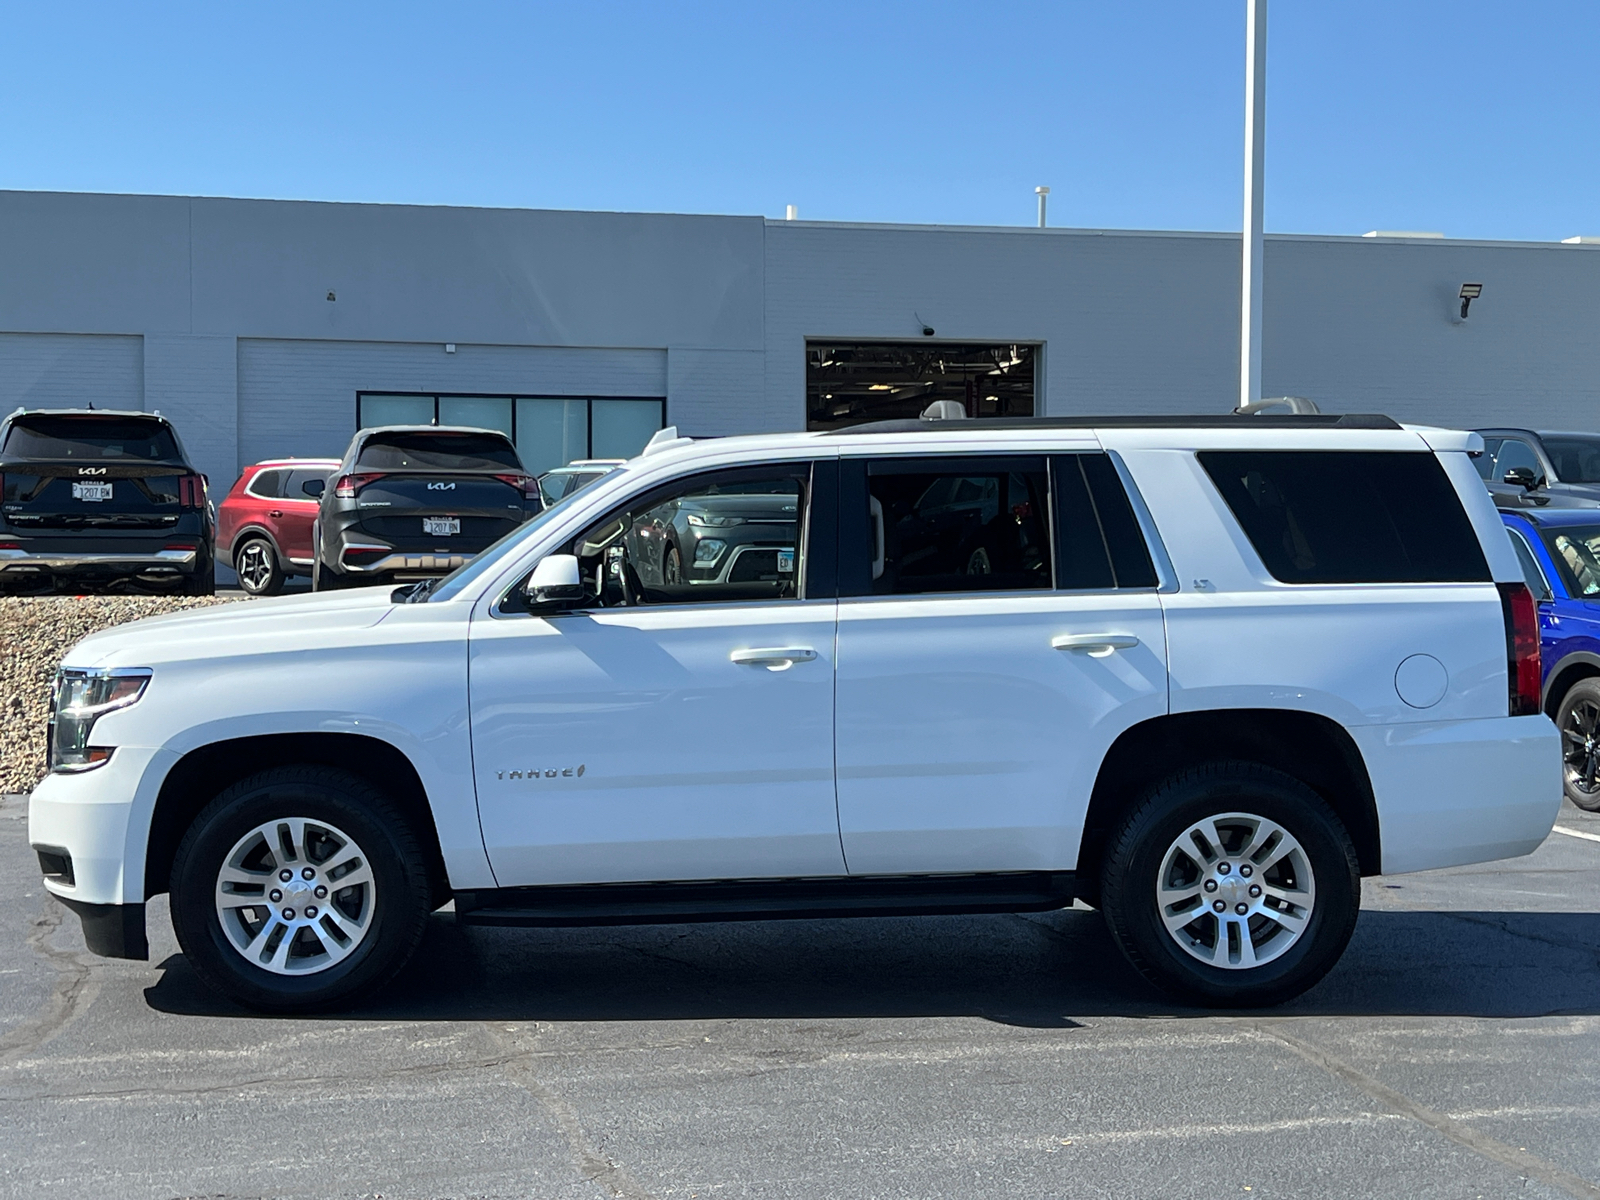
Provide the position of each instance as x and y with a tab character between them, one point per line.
289	623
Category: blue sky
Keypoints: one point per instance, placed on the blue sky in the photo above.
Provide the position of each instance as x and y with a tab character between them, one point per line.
1473	118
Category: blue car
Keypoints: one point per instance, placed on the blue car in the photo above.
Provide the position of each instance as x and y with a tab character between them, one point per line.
1560	553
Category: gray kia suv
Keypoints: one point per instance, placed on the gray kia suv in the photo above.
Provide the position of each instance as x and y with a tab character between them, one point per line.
412	502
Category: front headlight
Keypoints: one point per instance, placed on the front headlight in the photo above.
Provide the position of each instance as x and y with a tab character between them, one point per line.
79	698
713	522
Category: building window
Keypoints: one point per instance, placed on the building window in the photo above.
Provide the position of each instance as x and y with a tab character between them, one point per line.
848	383
549	431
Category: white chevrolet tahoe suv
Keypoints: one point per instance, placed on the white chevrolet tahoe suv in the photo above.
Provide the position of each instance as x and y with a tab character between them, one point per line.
1201	673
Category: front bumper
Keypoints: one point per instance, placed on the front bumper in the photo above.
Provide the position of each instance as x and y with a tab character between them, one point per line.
86	816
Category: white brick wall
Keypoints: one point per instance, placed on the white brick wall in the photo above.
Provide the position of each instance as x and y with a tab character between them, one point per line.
66	370
193	381
712	393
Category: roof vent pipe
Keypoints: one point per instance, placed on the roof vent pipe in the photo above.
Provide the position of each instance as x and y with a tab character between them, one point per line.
793	213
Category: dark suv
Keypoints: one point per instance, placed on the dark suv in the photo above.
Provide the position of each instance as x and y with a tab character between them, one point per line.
96	499
415	501
1525	469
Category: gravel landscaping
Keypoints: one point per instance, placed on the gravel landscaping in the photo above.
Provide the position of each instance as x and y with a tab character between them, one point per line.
35	634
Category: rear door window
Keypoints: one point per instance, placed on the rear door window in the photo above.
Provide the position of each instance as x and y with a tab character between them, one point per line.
441	451
1347	516
90	438
956	525
295	487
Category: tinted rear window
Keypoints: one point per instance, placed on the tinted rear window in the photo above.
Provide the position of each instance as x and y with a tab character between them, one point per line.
88	438
439	452
1349	516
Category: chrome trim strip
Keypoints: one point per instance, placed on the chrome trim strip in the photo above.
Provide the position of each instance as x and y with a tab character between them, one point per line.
64	560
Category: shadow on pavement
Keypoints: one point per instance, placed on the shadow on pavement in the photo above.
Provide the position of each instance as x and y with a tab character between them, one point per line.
1036	971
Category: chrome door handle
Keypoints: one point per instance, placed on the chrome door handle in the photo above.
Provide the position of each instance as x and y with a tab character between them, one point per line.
1095	645
777	659
277	512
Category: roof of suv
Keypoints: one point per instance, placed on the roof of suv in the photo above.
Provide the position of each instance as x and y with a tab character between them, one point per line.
1179	421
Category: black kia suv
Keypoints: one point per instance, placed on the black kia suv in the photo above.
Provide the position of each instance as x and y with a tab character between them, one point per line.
100	500
411	502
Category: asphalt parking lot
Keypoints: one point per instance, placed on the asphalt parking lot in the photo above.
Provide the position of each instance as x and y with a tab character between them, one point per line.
1454	1052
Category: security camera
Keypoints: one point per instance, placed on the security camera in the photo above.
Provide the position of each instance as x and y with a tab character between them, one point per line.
927	331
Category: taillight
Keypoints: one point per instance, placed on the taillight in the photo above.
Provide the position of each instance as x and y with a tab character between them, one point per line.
191	491
348	484
1522	647
526	484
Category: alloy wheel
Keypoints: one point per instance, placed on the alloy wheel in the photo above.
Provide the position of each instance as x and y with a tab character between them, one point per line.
255	566
295	896
1580	735
1235	891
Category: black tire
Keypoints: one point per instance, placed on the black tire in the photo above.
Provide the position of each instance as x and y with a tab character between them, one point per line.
671	567
201	583
1134	862
387	844
325	580
1578	718
256	563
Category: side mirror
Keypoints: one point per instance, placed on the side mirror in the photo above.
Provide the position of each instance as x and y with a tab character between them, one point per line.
1522	477
555	580
314	487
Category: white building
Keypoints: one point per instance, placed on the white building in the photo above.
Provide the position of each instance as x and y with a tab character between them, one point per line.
268	328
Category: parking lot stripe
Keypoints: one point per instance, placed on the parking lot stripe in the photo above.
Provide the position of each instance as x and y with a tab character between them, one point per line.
1458	1132
1588	837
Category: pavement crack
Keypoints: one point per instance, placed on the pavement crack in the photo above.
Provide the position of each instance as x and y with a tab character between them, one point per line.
587	1156
74	990
1459	1132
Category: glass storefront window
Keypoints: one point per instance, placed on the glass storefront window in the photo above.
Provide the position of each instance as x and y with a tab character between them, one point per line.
395	410
551	433
620	428
478	412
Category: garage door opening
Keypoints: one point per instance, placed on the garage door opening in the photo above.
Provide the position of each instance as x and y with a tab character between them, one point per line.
848	383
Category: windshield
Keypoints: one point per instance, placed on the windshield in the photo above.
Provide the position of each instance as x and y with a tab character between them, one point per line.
98	439
451	585
1576	549
1577	459
438	451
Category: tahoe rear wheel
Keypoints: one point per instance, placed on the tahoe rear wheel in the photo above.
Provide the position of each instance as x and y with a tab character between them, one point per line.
299	888
1578	718
1231	885
257	566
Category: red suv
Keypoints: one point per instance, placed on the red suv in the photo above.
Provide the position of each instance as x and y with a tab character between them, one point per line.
264	525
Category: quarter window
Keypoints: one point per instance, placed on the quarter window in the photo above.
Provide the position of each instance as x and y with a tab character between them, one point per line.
267	485
1348	516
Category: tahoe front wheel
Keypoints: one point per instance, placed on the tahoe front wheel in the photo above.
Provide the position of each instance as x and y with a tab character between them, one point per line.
1232	885
299	888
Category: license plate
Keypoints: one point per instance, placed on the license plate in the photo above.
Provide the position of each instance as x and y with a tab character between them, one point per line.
91	491
441	526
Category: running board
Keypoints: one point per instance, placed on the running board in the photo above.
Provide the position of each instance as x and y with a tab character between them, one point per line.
766	899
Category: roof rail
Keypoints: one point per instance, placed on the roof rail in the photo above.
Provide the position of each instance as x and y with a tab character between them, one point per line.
1176	421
